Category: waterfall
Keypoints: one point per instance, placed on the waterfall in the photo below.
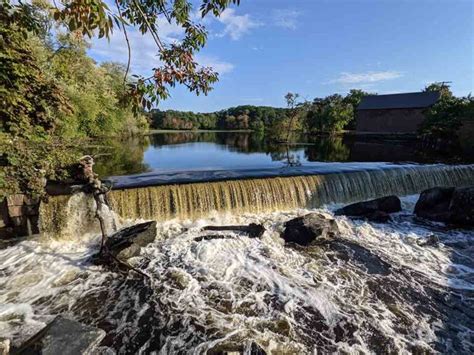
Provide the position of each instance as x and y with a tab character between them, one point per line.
194	200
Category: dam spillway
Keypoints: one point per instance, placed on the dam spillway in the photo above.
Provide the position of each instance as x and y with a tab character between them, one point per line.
195	194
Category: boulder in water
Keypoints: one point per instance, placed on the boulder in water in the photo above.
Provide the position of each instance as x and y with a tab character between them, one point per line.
306	229
374	210
127	242
452	205
433	204
64	336
462	206
430	241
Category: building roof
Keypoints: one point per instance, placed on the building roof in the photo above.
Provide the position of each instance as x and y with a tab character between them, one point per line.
394	101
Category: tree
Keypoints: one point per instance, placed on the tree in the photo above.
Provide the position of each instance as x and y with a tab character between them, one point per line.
354	98
442	87
444	118
176	63
328	115
293	112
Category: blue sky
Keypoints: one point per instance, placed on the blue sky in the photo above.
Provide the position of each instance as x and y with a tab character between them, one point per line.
266	48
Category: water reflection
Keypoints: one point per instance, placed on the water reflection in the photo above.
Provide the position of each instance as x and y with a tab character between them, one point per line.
226	150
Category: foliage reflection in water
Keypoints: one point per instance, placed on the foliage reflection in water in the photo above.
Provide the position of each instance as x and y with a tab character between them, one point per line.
182	151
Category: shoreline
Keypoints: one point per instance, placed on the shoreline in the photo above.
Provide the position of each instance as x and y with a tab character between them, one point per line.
157	131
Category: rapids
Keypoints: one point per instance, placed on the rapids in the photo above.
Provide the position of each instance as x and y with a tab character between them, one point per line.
377	289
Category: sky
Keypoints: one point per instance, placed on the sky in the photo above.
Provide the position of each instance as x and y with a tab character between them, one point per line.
266	48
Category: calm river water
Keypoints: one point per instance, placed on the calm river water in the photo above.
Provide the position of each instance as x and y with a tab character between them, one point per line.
182	151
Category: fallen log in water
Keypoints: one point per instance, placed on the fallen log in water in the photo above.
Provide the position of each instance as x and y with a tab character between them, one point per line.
253	230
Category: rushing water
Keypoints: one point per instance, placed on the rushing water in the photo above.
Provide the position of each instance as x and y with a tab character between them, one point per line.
376	289
62	216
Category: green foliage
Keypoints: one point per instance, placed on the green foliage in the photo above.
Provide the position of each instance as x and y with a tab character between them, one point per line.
27	163
51	94
238	118
446	117
176	63
441	87
329	115
30	100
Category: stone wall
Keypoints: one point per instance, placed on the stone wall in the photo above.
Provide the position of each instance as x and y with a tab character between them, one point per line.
19	216
389	120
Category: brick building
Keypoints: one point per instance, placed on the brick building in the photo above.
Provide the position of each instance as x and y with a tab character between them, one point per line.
395	113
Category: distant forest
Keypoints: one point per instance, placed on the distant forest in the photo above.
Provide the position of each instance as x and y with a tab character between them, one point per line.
331	114
239	118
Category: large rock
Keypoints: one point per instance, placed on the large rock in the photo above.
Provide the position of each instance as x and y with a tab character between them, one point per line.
64	336
434	204
452	205
305	230
461	206
127	242
375	210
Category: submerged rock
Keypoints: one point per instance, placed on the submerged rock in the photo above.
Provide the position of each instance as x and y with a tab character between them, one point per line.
452	205
127	242
374	210
63	336
306	229
366	259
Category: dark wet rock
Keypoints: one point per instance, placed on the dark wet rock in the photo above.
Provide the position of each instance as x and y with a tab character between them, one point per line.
127	242
253	230
433	204
462	206
374	210
430	241
378	217
306	229
447	204
63	336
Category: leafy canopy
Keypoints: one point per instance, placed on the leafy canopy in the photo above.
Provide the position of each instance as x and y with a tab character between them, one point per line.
176	65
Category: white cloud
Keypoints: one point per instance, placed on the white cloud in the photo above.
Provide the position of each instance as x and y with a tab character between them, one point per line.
218	65
145	51
367	77
236	25
286	18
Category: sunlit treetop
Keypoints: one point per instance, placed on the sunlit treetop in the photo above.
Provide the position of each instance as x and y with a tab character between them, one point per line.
176	62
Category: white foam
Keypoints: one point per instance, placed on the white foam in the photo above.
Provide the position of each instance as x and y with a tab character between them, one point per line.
241	285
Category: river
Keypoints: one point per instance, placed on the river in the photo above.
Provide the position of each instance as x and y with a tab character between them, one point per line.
378	288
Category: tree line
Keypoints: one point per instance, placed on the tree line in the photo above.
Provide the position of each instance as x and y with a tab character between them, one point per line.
330	114
244	117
